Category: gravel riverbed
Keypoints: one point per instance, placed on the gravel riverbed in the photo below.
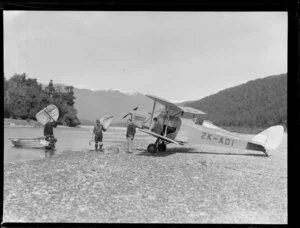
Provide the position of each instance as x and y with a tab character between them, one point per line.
181	185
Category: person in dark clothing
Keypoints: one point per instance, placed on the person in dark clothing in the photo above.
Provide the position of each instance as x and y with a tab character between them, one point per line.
130	134
157	127
97	132
48	128
48	133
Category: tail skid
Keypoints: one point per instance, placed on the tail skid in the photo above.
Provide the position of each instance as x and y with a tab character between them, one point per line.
270	138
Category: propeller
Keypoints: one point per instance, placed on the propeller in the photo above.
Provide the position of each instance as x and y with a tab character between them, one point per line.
126	115
130	113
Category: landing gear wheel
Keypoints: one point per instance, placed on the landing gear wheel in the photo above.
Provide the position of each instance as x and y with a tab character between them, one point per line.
151	148
162	147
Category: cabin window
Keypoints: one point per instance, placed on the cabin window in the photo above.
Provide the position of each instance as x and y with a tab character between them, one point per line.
169	130
173	124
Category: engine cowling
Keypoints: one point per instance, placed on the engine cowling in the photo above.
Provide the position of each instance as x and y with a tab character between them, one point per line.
139	119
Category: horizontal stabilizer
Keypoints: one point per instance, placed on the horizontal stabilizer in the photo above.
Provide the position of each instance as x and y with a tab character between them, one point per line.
269	138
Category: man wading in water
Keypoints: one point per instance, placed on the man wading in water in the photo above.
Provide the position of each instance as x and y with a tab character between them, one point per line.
48	133
97	132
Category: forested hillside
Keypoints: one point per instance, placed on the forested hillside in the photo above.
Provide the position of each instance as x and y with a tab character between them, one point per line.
260	103
24	97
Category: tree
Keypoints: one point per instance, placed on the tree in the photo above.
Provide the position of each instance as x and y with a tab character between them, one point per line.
50	88
24	97
64	99
70	118
21	93
6	110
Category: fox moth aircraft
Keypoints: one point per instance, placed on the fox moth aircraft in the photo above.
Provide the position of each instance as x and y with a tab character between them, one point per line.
177	119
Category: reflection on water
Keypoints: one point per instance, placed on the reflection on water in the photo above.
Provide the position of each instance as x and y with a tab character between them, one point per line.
49	153
74	139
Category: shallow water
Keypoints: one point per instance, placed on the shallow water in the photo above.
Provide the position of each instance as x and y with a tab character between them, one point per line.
77	139
74	139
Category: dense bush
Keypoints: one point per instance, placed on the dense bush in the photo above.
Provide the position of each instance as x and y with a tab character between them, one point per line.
24	97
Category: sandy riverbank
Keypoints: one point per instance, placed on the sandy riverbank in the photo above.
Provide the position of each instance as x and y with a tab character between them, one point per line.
21	123
182	185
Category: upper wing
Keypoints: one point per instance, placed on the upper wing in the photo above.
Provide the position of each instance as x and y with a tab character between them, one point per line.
161	137
165	103
187	110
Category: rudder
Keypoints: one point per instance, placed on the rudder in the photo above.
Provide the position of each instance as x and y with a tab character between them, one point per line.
269	138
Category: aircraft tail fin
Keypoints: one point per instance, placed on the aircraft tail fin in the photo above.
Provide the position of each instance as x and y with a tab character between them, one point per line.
269	138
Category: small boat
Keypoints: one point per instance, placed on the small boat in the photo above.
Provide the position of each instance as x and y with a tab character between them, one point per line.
39	142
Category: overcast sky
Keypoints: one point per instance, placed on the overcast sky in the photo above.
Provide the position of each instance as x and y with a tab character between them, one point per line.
174	55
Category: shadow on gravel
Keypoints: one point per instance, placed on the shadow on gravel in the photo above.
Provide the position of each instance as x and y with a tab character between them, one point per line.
188	150
239	154
157	154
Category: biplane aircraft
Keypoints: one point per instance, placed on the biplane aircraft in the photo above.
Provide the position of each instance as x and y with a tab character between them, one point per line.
177	119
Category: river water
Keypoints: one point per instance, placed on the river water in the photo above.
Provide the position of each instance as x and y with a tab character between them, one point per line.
68	139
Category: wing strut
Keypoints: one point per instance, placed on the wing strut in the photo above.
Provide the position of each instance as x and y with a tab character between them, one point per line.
152	114
167	122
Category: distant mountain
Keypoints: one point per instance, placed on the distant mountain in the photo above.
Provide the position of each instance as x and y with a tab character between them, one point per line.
86	122
91	105
261	102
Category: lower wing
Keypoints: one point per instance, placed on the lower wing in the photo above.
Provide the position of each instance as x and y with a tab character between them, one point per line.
161	137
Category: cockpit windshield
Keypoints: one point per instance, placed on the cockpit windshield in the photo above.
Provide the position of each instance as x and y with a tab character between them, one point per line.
172	122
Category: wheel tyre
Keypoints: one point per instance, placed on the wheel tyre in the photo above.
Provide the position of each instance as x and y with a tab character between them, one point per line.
151	148
162	147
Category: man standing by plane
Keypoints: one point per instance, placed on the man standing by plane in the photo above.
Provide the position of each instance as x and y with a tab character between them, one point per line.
157	127
130	134
97	133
